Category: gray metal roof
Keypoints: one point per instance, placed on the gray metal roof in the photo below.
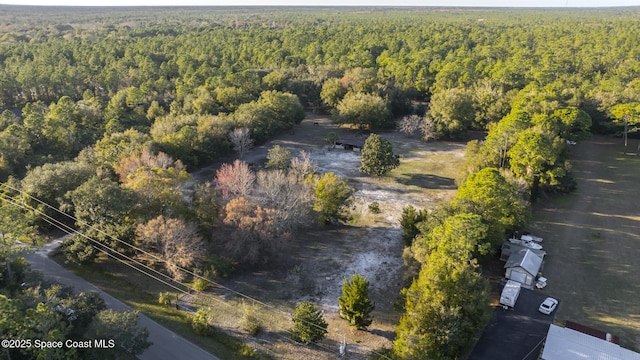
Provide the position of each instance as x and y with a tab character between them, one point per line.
525	259
509	248
567	344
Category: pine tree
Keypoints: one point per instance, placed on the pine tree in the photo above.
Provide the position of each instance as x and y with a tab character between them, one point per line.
377	156
308	324
355	306
411	217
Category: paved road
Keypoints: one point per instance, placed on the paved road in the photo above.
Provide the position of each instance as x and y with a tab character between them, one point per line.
166	344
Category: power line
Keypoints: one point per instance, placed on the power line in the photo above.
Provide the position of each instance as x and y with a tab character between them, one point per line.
69	230
78	221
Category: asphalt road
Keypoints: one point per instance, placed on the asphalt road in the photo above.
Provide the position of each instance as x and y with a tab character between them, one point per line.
515	334
166	344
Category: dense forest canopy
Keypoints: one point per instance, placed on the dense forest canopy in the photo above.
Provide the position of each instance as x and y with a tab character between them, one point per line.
107	92
104	110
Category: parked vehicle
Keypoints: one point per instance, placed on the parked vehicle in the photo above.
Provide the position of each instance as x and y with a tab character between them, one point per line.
548	305
510	293
526	243
530	237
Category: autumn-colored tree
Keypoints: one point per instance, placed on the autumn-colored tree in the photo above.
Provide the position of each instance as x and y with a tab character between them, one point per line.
234	180
174	241
254	238
148	160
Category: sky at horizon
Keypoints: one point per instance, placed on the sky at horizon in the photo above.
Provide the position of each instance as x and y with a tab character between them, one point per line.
426	3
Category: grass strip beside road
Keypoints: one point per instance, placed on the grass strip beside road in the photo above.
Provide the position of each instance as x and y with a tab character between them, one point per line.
145	300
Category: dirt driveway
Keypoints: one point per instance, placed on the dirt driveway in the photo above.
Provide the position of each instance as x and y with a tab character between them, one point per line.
593	241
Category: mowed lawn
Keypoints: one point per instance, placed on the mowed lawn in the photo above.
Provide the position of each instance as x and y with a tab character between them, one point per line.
592	239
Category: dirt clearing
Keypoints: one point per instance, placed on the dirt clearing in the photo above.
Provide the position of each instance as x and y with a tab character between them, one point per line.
316	262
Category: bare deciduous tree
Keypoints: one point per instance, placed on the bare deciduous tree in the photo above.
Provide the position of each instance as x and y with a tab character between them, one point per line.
302	166
428	129
173	240
409	125
234	180
241	140
290	198
146	159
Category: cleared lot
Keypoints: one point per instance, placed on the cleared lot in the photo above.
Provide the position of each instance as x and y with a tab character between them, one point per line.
592	238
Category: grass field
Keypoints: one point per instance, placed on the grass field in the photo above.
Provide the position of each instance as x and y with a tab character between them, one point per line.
593	241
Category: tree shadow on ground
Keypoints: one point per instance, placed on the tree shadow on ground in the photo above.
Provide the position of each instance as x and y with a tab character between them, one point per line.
389	335
428	181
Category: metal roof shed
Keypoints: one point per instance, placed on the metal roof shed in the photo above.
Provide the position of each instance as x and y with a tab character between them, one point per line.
567	344
523	266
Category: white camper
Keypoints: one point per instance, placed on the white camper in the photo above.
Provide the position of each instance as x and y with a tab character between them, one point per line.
510	293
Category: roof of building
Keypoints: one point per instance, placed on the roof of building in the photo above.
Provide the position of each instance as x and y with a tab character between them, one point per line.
351	141
591	331
567	344
526	259
509	248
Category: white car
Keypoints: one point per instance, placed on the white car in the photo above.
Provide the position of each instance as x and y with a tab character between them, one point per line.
548	305
530	237
526	243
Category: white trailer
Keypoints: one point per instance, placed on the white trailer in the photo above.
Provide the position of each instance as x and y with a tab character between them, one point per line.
510	293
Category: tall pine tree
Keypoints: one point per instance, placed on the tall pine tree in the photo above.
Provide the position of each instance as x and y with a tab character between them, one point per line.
355	306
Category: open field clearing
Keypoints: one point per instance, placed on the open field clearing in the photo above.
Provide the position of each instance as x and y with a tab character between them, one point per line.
593	241
317	261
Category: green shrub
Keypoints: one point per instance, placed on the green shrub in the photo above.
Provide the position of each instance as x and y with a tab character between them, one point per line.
250	321
200	322
204	282
308	323
374	208
165	298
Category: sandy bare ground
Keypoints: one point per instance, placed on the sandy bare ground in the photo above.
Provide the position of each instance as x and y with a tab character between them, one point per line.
315	262
593	241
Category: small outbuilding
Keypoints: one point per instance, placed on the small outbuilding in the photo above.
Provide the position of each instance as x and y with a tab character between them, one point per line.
356	144
523	266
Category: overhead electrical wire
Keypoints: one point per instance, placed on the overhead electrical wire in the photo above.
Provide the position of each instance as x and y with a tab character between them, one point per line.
78	221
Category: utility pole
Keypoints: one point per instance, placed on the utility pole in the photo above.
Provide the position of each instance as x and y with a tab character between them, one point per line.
343	346
626	128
